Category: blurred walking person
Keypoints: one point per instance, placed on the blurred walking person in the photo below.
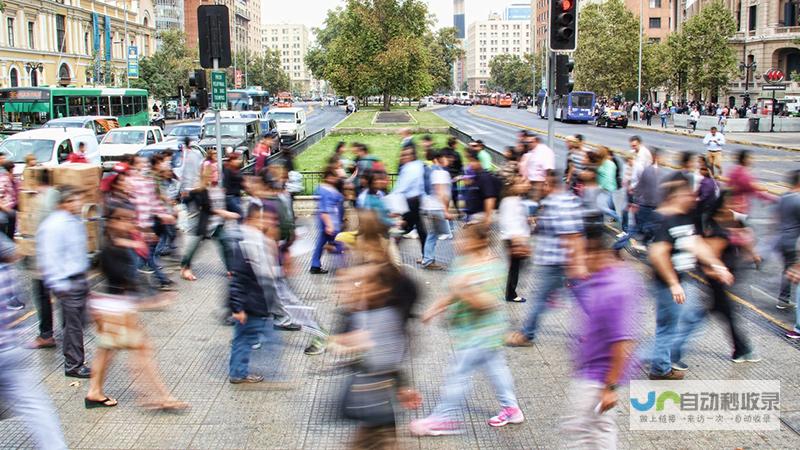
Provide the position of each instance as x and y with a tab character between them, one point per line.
559	227
789	226
435	207
675	251
329	218
474	308
609	299
411	185
61	254
115	315
515	232
18	391
714	142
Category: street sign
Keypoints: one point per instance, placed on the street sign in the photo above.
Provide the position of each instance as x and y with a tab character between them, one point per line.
219	89
773	87
774	76
133	62
237	80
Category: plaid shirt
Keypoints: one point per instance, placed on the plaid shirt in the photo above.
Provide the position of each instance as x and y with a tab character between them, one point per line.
560	214
9	290
145	199
8	190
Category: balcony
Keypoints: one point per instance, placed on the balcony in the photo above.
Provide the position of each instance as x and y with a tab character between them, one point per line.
787	30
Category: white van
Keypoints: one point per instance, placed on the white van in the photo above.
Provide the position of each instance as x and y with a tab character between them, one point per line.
51	146
291	123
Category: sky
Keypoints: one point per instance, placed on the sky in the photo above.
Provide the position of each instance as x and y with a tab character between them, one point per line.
312	12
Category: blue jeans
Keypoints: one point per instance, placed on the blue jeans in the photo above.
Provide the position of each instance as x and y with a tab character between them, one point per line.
643	224
605	203
550	279
459	377
244	337
674	325
436	225
29	401
322	239
152	261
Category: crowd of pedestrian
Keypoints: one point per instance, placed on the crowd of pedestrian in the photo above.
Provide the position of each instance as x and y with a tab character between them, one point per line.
687	222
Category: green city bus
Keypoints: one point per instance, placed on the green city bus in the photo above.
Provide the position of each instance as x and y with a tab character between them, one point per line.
24	108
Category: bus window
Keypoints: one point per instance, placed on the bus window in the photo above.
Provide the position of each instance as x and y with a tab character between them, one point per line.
75	106
104	109
127	105
116	106
138	104
90	106
60	107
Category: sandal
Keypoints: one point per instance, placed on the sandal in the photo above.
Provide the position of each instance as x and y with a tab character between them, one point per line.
167	406
517	339
104	403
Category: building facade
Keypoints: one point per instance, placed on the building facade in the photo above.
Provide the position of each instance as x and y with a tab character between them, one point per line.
72	42
244	17
489	38
460	64
767	32
660	17
169	16
292	42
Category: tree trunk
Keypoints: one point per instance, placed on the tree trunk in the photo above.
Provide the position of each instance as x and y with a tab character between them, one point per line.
387	102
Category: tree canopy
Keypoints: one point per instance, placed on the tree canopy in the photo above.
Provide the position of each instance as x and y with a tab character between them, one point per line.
512	74
377	47
262	70
168	67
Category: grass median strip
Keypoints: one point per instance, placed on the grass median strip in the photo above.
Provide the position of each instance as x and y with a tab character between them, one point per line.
366	119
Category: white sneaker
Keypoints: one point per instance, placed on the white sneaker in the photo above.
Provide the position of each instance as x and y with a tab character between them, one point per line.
444	237
411	234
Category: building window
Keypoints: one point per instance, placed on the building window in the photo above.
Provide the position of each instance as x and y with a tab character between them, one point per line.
751	23
655	3
13	76
30	35
86	43
10	24
655	22
61	33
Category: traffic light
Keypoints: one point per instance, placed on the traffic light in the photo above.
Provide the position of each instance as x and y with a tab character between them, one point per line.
563	25
564	79
197	79
199	99
214	36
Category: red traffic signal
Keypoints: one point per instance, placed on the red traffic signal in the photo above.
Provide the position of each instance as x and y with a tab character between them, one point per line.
566	5
563	25
774	76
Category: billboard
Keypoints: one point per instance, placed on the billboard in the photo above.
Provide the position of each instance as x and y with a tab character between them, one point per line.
518	12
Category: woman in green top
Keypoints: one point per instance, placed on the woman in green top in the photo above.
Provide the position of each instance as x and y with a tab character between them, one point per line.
607	180
475	310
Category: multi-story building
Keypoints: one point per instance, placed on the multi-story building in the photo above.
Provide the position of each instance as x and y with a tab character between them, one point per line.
767	34
460	64
244	18
540	13
292	41
489	38
72	42
169	16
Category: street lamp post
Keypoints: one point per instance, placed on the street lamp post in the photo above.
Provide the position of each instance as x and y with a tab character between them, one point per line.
747	67
30	67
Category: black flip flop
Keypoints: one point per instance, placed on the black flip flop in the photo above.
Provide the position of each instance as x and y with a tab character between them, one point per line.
104	403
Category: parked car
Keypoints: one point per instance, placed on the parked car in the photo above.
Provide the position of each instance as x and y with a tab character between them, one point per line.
269	128
192	130
238	134
100	125
126	141
50	146
522	104
172	148
291	123
251	115
612	118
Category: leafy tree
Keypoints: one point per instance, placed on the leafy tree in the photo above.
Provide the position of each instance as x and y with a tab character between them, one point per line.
168	67
374	47
263	70
509	73
705	51
607	57
445	49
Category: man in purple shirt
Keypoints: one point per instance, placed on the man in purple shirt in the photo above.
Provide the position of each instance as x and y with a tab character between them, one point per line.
609	298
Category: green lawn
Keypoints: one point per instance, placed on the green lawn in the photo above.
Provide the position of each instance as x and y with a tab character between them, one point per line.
385	146
363	119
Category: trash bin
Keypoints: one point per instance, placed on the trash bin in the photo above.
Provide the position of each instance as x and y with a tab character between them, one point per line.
752	124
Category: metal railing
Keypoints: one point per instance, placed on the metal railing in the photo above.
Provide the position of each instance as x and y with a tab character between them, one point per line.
464	138
295	149
312	180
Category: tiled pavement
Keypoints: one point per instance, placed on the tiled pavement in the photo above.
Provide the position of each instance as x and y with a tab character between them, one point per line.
192	349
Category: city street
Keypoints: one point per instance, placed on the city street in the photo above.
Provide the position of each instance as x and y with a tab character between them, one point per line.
192	349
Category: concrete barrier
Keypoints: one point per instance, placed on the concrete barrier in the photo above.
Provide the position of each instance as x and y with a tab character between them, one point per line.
782	124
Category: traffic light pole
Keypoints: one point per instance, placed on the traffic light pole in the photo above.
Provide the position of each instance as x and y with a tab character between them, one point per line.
551	114
218	133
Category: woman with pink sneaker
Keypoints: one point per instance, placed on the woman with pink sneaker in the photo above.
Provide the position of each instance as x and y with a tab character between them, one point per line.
475	313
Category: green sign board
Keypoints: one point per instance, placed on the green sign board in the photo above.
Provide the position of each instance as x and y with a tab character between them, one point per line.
219	89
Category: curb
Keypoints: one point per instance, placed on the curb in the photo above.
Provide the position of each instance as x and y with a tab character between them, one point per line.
676	132
562	137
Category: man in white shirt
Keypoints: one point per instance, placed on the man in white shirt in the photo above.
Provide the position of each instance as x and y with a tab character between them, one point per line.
714	141
535	164
694	116
643	159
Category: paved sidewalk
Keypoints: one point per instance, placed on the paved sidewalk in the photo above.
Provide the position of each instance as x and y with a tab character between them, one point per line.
192	349
778	141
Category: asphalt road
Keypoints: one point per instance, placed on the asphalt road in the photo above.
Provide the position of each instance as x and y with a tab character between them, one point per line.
756	289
